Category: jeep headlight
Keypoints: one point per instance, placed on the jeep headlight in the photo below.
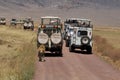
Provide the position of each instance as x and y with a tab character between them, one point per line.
56	38
85	40
42	38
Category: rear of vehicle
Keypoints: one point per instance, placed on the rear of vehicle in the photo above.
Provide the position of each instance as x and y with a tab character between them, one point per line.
2	21
82	39
50	34
28	24
13	22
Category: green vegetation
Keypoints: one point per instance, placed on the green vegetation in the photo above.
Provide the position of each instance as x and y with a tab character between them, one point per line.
17	54
107	42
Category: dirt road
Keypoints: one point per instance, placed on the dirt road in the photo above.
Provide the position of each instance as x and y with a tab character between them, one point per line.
75	66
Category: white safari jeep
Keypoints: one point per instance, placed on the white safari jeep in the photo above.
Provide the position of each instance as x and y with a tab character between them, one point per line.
69	26
50	34
28	24
2	21
82	36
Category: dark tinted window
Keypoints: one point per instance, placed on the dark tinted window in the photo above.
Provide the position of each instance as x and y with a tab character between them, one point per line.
50	31
82	33
13	19
2	19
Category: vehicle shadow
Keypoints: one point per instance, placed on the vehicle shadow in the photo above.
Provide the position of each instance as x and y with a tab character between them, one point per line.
53	55
82	52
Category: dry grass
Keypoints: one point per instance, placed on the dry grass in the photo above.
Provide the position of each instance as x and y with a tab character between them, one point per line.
17	54
106	49
112	35
107	43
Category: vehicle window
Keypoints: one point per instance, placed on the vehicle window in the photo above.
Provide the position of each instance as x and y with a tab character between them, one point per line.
2	19
50	31
13	19
46	21
70	30
81	33
53	21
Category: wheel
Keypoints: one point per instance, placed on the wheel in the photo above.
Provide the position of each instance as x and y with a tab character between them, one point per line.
67	44
24	28
89	50
59	53
85	40
71	49
4	23
32	29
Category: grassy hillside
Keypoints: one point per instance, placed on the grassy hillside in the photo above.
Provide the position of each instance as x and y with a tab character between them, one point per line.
107	43
62	3
17	54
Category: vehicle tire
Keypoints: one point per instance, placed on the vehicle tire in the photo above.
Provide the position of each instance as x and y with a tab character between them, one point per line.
85	40
89	50
4	24
67	44
32	28
60	53
71	49
24	28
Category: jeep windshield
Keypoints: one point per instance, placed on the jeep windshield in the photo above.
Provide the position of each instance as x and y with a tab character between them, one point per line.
50	21
50	31
2	19
79	22
13	20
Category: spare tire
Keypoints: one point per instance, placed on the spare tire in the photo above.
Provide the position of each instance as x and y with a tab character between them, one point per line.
85	40
42	38
25	24
30	24
56	38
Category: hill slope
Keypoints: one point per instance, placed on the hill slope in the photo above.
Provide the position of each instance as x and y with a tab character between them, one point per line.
102	12
60	3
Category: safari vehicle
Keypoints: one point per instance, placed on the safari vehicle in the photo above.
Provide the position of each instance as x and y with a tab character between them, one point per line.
69	25
82	36
20	21
28	24
50	34
2	21
13	22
